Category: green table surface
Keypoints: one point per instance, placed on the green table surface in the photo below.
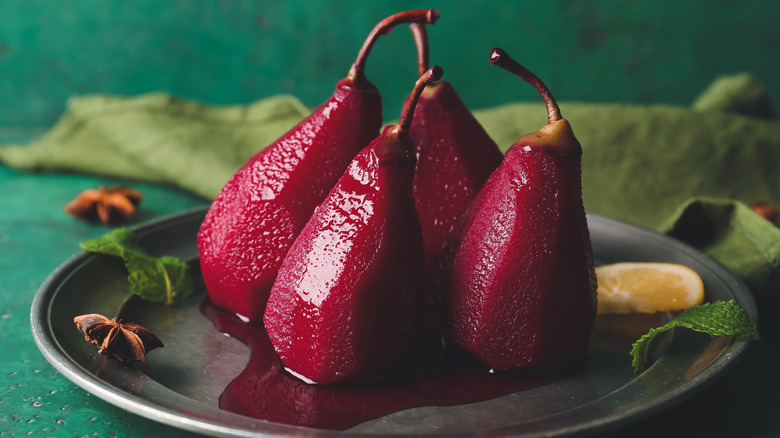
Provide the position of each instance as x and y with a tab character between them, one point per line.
36	236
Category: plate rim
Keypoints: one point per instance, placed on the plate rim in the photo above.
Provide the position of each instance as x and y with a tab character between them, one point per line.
45	339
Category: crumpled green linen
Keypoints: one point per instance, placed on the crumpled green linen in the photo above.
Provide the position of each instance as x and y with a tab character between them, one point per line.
157	138
743	241
657	166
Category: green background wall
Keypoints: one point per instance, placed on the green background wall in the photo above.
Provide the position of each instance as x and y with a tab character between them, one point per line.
222	52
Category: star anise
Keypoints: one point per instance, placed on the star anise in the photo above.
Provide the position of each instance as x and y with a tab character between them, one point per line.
126	342
109	205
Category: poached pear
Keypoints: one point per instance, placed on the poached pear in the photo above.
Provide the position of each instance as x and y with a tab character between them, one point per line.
520	285
262	208
455	156
347	298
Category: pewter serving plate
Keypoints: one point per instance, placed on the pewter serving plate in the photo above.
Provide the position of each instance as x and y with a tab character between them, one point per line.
181	383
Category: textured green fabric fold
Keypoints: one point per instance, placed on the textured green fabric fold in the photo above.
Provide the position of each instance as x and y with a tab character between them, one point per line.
739	94
640	163
729	231
158	138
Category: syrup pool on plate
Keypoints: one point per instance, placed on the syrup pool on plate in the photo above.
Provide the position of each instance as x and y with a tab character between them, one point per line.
266	391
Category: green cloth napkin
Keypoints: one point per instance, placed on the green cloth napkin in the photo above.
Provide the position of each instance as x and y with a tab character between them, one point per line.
157	138
740	239
657	166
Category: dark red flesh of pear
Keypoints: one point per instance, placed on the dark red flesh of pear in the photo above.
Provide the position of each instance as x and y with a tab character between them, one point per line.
455	156
347	299
262	208
520	287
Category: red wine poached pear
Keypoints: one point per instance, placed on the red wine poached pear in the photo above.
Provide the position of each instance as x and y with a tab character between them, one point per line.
520	287
348	298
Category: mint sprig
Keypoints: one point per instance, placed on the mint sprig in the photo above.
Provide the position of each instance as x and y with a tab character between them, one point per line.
159	279
719	318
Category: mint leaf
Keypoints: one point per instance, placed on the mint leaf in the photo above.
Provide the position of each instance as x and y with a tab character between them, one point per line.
118	242
152	278
719	318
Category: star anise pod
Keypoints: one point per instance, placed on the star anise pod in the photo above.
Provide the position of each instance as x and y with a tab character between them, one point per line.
109	205
126	342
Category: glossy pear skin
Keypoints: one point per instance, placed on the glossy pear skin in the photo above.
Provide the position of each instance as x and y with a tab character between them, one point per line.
262	208
347	296
455	156
520	282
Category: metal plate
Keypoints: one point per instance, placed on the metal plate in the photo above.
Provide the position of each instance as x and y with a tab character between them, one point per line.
181	383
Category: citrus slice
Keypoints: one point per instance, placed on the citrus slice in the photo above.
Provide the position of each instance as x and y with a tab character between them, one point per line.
647	287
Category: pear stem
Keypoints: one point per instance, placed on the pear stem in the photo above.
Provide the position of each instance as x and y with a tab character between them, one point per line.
503	60
357	71
405	122
421	41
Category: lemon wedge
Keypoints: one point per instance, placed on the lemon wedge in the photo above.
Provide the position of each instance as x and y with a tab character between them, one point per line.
647	287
